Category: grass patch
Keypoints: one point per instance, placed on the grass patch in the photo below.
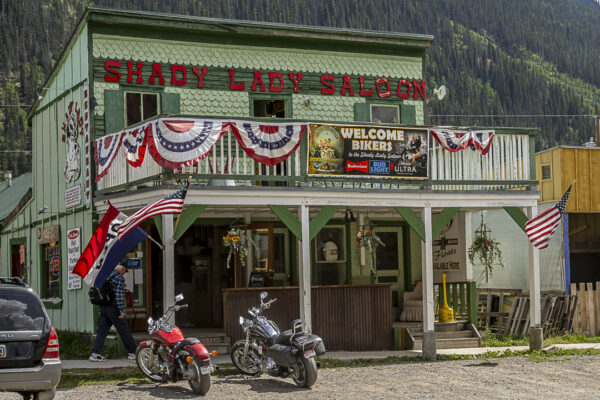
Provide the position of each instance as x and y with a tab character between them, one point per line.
492	340
84	377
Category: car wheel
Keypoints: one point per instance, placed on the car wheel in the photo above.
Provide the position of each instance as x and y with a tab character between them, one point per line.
46	395
26	395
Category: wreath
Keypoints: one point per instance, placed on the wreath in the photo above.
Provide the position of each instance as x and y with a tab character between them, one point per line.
366	237
486	249
237	241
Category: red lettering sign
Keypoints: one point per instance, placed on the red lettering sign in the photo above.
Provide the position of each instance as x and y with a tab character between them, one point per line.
174	80
156	73
258	81
131	72
115	75
363	92
296	80
232	84
347	85
362	166
200	75
330	89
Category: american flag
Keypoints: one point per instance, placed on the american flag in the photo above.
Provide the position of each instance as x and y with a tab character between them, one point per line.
172	204
541	228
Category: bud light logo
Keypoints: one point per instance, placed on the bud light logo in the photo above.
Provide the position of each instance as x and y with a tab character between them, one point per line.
379	167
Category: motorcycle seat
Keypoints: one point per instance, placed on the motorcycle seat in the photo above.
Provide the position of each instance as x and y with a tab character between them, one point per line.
185	342
284	337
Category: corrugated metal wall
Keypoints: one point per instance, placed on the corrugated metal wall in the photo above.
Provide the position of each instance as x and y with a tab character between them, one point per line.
347	317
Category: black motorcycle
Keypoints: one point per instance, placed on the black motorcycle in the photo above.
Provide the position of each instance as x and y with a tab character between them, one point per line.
284	354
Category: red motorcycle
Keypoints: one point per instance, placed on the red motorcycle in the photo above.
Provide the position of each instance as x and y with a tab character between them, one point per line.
169	356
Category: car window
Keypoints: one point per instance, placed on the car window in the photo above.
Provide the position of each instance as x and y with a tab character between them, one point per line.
20	311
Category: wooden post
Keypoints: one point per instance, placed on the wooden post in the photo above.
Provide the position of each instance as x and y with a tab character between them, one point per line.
429	344
304	273
472	302
534	280
591	307
168	273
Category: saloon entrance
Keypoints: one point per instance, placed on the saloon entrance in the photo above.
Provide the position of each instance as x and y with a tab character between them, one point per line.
202	270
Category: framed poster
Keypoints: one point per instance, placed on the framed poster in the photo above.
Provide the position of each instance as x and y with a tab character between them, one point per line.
367	151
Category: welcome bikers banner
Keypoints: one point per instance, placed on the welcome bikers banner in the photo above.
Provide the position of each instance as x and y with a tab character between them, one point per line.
367	151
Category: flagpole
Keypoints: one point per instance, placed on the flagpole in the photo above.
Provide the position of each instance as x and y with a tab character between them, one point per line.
179	216
156	242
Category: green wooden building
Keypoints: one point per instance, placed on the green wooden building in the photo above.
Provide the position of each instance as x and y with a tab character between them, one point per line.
347	106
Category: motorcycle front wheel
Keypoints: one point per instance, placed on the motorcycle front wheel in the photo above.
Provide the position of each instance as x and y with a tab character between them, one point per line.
199	383
304	373
249	364
142	358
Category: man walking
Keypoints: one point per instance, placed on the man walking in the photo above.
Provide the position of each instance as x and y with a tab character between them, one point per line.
114	314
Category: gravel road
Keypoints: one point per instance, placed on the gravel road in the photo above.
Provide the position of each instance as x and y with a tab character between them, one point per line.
573	377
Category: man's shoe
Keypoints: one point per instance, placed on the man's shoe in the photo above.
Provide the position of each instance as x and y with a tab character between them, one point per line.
96	357
131	356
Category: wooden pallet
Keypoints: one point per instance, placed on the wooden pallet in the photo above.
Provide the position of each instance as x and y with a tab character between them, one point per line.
490	314
557	313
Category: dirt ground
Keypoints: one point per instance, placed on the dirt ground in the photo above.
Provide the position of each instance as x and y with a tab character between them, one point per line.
572	377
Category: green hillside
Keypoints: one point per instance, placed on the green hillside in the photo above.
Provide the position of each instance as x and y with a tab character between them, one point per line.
499	59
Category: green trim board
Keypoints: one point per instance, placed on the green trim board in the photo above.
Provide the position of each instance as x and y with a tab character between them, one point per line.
442	220
413	220
518	216
158	222
293	224
187	218
288	219
321	219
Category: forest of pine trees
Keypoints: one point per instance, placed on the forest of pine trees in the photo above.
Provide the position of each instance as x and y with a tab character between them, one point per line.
497	58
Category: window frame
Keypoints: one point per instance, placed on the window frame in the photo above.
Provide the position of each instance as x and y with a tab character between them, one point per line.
142	93
287	98
49	302
392	105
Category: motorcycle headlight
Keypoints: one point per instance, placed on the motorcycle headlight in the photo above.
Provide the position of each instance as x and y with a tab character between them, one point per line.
241	320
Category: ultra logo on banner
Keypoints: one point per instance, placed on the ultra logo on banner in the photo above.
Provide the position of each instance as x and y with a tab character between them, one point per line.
367	151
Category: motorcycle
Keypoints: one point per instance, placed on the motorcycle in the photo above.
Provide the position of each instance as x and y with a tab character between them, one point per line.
290	353
169	356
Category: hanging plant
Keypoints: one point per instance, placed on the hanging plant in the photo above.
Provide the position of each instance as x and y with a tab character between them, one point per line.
486	250
237	242
368	239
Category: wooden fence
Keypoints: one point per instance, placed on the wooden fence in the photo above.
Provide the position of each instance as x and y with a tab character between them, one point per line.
587	314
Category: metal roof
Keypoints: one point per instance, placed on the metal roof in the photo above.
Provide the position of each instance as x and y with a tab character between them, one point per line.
11	196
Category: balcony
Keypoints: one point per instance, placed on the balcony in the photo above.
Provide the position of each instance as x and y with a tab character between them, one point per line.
509	165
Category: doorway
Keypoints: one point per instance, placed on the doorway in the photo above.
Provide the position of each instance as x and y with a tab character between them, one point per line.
389	264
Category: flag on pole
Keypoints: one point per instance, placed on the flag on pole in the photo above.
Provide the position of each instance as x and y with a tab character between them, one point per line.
172	204
105	250
94	247
541	228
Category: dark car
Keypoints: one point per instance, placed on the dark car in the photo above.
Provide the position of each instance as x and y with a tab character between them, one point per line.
29	353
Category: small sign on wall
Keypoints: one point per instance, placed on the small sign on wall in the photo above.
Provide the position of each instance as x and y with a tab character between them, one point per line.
73	196
450	252
48	234
73	254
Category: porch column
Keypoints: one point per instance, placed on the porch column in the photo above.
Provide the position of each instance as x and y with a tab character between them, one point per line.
429	345
168	273
536	334
304	269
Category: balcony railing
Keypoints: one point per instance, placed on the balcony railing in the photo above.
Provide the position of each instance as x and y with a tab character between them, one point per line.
508	165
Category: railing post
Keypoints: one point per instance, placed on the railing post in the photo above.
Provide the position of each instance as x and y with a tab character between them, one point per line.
472	302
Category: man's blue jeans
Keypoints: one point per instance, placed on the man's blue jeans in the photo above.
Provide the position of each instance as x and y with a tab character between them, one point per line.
109	316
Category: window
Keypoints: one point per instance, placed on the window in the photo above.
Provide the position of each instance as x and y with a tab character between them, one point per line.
270	108
140	106
51	270
17	259
331	256
546	172
21	311
384	114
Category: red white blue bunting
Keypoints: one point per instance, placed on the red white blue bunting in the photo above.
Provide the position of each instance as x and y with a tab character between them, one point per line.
134	142
459	140
105	151
176	143
269	144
